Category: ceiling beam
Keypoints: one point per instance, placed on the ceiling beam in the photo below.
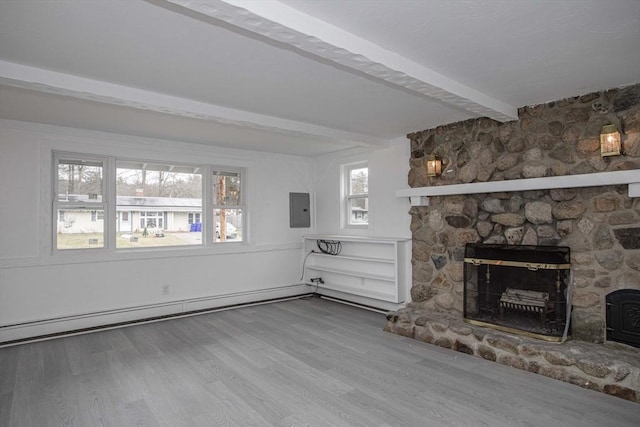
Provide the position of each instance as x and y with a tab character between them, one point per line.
41	80
274	20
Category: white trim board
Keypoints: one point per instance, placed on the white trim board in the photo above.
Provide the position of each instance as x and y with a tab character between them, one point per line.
420	196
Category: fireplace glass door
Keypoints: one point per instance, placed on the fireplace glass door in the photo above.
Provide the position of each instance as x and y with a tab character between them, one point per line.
519	289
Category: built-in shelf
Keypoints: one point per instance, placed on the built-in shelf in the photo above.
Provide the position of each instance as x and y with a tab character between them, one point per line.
420	196
382	277
369	271
360	258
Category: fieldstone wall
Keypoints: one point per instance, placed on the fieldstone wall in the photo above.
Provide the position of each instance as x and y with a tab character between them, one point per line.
601	225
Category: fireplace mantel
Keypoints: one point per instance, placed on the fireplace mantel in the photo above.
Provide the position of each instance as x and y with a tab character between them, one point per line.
420	196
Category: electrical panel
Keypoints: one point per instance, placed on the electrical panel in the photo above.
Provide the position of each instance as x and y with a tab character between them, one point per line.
299	212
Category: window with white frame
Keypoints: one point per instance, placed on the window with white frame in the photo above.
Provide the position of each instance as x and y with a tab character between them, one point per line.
154	204
228	205
356	194
161	197
194	217
79	189
97	216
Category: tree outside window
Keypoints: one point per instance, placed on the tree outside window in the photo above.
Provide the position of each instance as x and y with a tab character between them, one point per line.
227	206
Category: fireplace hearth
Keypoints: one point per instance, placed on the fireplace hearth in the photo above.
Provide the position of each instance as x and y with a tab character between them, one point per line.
518	289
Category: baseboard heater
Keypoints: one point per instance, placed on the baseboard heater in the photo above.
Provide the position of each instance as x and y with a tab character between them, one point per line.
353	304
176	315
151	320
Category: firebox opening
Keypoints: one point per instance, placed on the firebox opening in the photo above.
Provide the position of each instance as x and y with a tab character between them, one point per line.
520	289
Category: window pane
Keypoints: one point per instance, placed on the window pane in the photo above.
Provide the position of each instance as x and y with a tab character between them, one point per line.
358	211
359	181
158	200
77	230
79	180
228	225
226	188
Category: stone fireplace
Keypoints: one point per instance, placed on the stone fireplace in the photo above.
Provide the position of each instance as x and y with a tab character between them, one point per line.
600	226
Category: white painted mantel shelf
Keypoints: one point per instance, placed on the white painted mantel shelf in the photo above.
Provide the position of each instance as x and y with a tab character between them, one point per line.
420	196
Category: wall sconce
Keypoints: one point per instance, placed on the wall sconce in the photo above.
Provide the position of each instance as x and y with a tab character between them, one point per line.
434	165
609	141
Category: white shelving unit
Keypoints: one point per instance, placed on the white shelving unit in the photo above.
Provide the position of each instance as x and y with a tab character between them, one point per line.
370	271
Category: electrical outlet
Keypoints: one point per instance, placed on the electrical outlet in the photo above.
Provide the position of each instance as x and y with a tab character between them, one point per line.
165	289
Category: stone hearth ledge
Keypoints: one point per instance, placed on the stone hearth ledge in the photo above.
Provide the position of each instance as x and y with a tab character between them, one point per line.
610	368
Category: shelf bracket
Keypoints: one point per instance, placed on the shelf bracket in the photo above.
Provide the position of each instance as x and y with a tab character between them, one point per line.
419	200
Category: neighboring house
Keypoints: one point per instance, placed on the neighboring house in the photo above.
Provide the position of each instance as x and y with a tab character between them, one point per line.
359	215
134	214
164	213
80	221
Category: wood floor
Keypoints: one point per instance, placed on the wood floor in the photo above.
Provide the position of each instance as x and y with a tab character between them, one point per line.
295	363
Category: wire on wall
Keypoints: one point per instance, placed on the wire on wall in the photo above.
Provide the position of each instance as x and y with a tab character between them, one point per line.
304	262
329	247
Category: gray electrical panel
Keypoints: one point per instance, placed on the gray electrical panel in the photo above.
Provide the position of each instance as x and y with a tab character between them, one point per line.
299	214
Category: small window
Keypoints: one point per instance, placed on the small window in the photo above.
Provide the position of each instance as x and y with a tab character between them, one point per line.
194	217
97	216
356	200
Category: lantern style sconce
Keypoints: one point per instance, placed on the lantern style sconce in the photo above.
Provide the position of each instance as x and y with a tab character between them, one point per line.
434	166
610	141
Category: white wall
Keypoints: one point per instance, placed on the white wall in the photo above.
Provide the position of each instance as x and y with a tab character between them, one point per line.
388	169
36	285
388	214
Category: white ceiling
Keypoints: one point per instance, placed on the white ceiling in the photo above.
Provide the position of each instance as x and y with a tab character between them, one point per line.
304	77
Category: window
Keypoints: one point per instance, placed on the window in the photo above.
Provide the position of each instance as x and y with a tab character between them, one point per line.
152	220
227	206
97	216
78	202
194	218
356	195
163	196
153	204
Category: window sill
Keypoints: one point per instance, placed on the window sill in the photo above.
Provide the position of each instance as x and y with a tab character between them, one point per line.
355	227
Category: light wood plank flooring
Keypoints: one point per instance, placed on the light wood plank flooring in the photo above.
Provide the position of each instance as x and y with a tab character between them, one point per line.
296	363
